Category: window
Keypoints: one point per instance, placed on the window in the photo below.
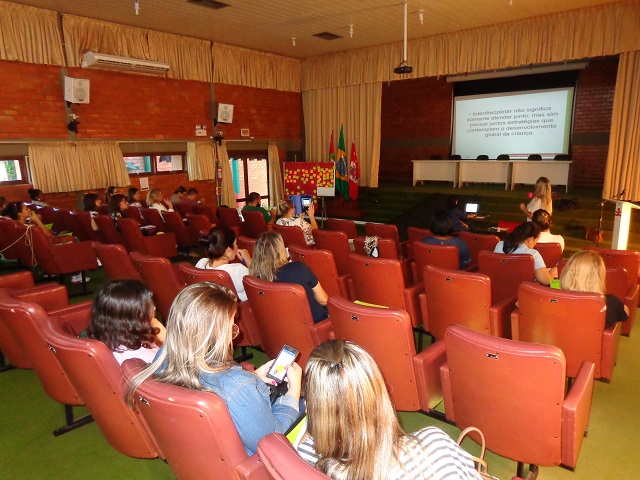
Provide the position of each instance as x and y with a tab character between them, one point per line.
250	174
13	171
155	163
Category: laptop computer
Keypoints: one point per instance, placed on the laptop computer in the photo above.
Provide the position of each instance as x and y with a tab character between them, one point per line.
471	208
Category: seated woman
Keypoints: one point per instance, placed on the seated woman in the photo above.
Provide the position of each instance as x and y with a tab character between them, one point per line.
156	200
462	221
521	241
122	317
355	433
222	250
19	212
133	197
117	206
112	190
91	204
198	354
441	227
543	218
286	210
270	263
36	197
585	272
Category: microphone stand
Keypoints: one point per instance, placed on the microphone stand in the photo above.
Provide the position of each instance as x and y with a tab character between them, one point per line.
602	203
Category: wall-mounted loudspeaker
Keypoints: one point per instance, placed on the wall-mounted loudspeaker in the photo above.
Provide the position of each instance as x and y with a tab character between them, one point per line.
76	90
225	113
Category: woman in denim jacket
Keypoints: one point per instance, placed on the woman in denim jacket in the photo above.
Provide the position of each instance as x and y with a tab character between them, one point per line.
198	353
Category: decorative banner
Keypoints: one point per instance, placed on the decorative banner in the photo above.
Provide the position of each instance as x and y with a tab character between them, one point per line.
305	178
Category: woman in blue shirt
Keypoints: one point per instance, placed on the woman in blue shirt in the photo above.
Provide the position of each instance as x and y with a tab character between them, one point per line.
441	227
198	354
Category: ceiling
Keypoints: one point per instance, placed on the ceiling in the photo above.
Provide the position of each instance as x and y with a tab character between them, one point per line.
270	25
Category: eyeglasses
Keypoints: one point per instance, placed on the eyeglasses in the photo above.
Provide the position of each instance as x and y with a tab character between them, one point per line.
235	331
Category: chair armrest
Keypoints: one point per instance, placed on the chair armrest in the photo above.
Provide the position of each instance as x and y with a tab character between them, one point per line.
162	245
426	365
576	410
631	301
515	324
252	468
74	318
51	296
500	317
412	302
17	280
405	265
322	331
343	287
610	346
414	271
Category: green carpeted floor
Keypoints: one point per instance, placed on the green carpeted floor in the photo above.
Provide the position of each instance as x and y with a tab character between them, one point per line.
27	416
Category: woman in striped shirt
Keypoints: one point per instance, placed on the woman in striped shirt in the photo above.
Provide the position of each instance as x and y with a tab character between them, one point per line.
355	433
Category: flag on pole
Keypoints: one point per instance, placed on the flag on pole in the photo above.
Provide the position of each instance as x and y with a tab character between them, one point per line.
332	150
354	172
342	178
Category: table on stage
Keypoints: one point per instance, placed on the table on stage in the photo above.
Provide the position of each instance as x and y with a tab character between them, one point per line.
485	171
435	170
527	172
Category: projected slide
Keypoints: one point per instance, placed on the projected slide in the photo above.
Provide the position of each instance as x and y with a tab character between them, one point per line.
517	123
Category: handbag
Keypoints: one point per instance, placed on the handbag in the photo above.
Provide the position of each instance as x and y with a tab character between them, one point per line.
481	465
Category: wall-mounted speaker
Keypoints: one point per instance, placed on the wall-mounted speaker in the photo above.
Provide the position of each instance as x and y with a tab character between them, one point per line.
76	90
225	113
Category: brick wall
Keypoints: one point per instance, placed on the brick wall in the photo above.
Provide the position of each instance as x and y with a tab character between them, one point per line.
416	122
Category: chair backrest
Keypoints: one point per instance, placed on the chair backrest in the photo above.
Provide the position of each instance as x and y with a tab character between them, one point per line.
152	216
160	277
377	280
97	377
175	224
291	235
384	230
47	213
521	420
416	234
482	157
199	227
534	156
551	253
283	462
503	156
116	261
107	230
16	243
478	242
134	213
254	224
562	156
183	208
510	226
192	428
393	351
246	243
282	315
83	228
455	297
386	248
132	236
617	282
455	157
627	259
348	227
435	157
63	220
444	256
338	243
506	271
227	216
25	321
572	321
321	263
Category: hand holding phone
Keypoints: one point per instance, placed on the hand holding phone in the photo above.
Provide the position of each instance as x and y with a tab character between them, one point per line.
285	358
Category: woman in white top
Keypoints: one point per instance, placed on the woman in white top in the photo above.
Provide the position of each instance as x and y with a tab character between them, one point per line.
522	240
122	317
156	200
355	434
286	210
543	218
133	197
541	199
222	250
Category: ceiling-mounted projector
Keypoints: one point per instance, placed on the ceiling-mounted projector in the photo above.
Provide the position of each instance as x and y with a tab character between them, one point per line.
402	69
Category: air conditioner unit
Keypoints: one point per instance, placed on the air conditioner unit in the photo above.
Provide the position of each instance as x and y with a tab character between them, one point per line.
123	64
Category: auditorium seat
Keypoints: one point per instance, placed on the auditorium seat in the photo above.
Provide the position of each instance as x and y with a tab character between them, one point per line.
337	243
341	225
323	266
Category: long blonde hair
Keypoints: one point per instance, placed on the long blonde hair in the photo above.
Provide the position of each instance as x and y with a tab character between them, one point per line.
585	272
268	256
199	338
154	196
543	192
351	417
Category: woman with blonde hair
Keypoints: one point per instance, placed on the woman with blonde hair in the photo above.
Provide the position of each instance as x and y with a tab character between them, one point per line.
270	263
541	199
585	272
156	200
354	431
198	354
287	211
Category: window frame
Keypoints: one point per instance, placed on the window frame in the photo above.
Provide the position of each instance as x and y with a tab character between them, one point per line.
24	170
153	162
245	156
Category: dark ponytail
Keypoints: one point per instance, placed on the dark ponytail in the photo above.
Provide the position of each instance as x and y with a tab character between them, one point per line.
519	235
220	238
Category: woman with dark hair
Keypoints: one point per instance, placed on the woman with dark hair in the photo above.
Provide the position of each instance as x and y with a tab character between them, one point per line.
122	317
109	193
521	241
36	197
133	197
19	212
442	230
462	221
117	206
222	249
543	218
270	263
91	203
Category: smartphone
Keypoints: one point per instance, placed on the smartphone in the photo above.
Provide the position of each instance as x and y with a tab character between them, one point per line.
285	358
